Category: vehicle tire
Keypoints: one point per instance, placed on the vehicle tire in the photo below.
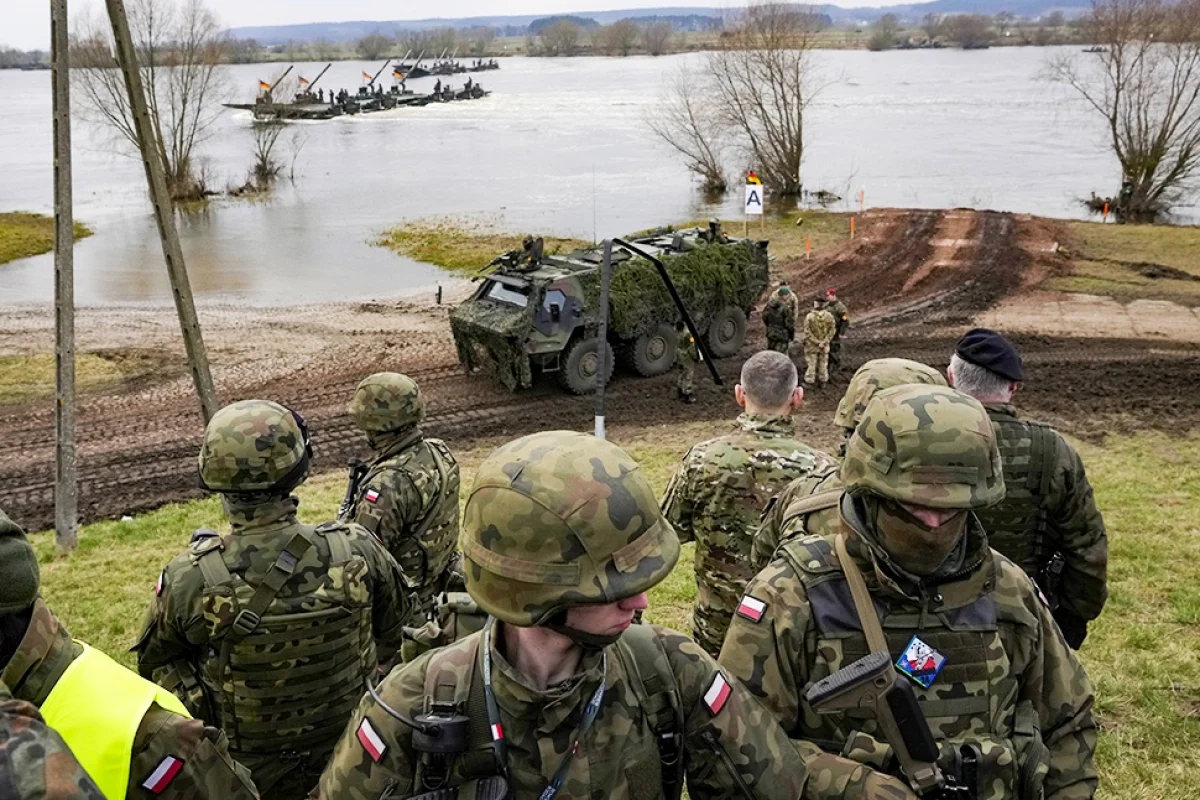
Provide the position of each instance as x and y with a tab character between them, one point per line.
581	364
727	332
653	353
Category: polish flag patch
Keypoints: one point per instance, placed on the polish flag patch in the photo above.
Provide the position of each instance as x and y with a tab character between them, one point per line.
717	694
371	496
497	732
370	741
751	608
163	774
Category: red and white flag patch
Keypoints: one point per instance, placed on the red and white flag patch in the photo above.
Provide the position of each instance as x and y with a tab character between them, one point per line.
163	774
751	608
497	731
717	694
371	496
370	741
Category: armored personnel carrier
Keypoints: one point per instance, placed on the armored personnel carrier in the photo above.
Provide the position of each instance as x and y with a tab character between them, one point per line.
538	313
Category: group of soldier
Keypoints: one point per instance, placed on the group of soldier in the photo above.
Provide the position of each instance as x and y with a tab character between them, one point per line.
403	651
823	329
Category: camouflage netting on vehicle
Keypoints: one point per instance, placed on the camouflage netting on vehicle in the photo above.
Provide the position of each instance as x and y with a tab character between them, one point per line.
707	278
491	338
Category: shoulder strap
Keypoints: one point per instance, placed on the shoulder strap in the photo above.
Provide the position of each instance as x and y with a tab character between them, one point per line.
449	687
863	603
658	694
339	541
815	502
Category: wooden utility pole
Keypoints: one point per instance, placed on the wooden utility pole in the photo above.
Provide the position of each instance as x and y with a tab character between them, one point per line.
164	213
602	336
65	489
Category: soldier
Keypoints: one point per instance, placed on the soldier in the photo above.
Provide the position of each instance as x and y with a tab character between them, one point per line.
779	318
133	738
271	631
809	504
1012	711
687	355
1048	522
35	763
717	495
841	318
408	495
559	694
819	330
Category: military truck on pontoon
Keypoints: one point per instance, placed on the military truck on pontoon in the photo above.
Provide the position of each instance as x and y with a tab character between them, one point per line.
538	313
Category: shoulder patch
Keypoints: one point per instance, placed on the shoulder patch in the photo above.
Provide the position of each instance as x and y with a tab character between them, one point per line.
372	496
718	694
370	740
812	554
751	608
162	775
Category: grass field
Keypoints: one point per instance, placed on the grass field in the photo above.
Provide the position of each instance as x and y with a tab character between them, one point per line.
29	377
1143	654
23	235
1130	262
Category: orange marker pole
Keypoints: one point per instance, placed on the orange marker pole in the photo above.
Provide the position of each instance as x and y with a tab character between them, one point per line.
1106	212
808	246
852	221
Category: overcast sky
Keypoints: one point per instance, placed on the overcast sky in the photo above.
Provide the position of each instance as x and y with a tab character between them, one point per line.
26	23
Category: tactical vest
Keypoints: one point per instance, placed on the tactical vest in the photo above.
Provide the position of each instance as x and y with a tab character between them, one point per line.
1018	527
972	702
449	690
428	550
287	672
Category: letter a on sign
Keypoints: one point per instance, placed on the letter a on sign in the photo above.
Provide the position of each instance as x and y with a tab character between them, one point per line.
754	200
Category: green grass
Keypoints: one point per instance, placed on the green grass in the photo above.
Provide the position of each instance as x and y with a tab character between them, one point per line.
23	235
30	377
1143	654
460	244
1111	259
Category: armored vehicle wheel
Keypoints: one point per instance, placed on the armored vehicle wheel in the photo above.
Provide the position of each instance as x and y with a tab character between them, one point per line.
653	353
727	333
582	363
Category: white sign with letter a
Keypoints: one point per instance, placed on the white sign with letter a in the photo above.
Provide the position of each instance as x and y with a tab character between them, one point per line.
754	200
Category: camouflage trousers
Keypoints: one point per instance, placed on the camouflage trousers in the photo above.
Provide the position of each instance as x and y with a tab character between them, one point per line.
685	381
835	352
717	597
778	343
816	364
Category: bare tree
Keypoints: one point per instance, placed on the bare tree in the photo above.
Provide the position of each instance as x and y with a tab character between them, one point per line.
1145	84
324	49
561	38
886	30
181	49
1004	22
688	122
656	37
971	31
372	46
479	40
266	166
617	39
934	25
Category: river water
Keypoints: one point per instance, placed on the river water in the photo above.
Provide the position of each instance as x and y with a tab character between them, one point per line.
560	147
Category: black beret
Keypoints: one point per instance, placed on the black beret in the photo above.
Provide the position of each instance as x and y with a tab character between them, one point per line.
986	348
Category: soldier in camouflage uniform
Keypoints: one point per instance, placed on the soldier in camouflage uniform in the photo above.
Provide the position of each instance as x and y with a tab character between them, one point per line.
993	677
560	694
272	630
841	318
779	318
687	355
408	495
716	497
90	701
819	330
1048	522
35	763
808	504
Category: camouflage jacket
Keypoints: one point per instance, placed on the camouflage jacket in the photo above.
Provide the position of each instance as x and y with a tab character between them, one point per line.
819	327
781	521
686	351
1049	508
187	621
841	316
732	746
208	770
35	763
409	500
1010	685
716	498
780	317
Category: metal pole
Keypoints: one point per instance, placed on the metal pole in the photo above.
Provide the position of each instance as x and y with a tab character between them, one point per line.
65	489
160	198
602	335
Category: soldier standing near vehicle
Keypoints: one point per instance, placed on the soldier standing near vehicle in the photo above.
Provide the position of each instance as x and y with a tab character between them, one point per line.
408	494
779	318
560	695
717	495
819	330
687	355
841	318
1048	522
133	738
272	630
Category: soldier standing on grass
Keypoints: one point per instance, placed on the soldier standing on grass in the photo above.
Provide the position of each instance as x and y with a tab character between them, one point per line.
717	495
819	330
271	631
687	355
1048	522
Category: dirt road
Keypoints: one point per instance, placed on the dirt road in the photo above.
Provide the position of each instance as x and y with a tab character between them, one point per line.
913	281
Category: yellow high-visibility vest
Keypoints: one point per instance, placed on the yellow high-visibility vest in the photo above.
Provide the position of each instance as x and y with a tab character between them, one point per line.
97	706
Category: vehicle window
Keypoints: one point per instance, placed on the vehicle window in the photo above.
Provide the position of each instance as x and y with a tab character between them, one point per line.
514	296
554	297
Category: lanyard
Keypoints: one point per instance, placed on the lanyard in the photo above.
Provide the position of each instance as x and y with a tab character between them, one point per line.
500	746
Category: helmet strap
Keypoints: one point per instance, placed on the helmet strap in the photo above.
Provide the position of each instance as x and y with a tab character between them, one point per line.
592	642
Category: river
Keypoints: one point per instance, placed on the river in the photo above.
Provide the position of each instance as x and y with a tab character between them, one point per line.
561	146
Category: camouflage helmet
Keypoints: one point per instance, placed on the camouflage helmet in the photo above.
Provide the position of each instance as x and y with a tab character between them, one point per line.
926	445
874	376
561	519
254	446
385	402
